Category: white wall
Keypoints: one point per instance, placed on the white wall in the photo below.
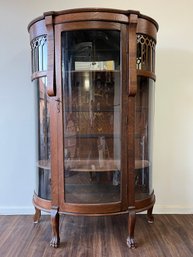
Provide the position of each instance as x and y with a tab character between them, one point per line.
173	144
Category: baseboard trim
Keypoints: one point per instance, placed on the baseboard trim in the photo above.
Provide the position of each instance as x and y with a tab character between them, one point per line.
15	210
172	209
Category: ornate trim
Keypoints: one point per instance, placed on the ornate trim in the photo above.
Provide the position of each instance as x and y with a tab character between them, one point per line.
39	53
145	59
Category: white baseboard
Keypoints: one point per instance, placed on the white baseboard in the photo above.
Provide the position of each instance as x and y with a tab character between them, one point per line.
172	209
158	209
15	210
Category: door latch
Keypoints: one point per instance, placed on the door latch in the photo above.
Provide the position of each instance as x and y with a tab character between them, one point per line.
58	104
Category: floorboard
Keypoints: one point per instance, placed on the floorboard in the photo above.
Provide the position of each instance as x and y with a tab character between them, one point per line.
169	236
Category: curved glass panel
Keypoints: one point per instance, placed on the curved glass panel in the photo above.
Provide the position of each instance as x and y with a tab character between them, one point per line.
43	177
92	106
144	111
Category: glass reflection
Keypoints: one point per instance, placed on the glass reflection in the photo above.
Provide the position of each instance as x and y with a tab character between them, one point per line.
91	86
143	137
43	189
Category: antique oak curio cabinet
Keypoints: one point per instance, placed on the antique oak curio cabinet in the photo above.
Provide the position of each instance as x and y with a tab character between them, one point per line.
94	74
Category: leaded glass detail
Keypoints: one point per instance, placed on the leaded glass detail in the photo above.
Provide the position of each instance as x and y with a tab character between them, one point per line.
39	53
145	53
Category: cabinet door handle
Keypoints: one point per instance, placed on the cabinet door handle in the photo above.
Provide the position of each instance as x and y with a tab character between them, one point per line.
58	104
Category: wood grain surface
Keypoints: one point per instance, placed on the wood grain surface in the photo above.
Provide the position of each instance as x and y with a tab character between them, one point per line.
169	236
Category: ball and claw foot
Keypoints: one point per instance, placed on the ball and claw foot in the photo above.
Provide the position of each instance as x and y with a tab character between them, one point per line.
37	216
36	221
55	241
150	219
131	243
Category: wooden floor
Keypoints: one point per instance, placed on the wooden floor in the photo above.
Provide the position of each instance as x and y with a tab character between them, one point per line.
170	235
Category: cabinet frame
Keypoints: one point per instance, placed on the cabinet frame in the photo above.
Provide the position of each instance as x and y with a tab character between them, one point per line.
129	23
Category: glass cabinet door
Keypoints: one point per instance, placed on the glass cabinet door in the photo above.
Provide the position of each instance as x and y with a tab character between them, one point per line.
92	115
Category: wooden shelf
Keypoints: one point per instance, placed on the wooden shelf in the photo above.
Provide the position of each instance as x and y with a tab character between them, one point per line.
44	164
83	109
141	164
79	135
93	165
93	71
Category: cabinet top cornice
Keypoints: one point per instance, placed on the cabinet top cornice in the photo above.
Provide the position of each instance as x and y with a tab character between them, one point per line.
125	13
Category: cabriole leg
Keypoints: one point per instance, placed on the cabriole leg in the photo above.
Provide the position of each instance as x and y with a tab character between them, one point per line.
150	217
131	227
37	215
55	241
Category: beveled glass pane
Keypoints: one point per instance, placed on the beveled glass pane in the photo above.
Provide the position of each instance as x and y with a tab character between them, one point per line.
92	106
43	181
143	137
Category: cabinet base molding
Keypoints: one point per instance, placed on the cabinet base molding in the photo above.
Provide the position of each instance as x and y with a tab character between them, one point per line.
46	205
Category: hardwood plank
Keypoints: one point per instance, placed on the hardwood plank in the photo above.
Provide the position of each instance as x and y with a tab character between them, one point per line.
169	236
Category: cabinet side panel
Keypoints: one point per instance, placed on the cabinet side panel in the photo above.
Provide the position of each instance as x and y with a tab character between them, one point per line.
144	112
43	174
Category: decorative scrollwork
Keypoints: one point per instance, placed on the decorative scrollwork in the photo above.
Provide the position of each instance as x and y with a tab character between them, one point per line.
39	53
145	53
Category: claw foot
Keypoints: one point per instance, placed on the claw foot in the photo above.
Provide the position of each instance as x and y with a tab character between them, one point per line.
55	242
131	243
150	219
55	227
37	215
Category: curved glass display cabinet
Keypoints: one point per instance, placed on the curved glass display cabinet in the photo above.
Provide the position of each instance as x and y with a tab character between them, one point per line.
94	72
